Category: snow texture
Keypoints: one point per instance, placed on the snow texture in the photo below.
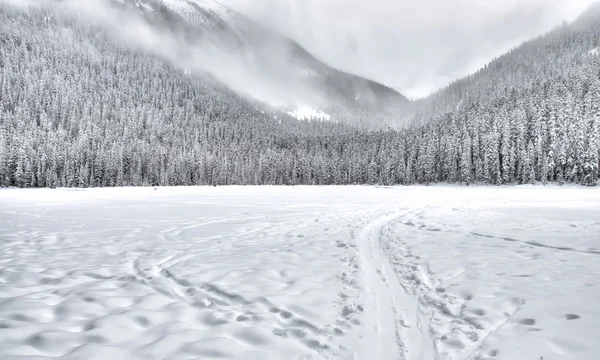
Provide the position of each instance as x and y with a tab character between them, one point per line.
307	73
308	113
189	10
300	273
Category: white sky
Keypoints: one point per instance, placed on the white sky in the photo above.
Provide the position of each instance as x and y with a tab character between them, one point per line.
415	46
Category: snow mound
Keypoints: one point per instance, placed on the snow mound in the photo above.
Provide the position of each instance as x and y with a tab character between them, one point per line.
308	113
593	52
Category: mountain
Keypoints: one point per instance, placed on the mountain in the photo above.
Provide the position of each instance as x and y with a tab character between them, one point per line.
552	56
112	96
531	115
280	61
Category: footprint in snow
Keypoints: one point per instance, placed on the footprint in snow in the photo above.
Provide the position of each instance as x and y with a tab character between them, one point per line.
528	322
572	316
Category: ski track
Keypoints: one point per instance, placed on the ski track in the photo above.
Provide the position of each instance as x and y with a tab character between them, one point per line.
299	278
438	325
165	288
396	323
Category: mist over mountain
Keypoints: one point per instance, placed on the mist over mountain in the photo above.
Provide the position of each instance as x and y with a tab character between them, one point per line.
112	93
186	98
204	38
276	57
416	47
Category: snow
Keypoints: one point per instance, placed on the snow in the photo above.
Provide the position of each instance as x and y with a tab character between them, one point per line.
307	73
187	9
145	6
214	6
459	104
593	52
308	113
184	9
357	272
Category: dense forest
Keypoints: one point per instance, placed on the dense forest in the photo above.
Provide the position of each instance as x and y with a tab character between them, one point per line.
79	110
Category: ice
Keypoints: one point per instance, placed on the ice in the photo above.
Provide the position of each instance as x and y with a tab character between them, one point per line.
357	272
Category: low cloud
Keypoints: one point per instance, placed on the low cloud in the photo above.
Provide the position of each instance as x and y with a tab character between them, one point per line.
415	46
229	66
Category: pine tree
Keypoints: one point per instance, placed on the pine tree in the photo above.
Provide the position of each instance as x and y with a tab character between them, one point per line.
92	112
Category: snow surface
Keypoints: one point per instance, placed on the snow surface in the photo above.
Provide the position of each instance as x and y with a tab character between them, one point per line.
307	73
145	6
594	52
300	273
182	8
308	113
186	9
216	7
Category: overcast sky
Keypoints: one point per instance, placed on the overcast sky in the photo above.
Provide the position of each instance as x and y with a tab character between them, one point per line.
415	46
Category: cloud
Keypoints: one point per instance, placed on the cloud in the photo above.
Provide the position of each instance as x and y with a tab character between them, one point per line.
415	46
199	56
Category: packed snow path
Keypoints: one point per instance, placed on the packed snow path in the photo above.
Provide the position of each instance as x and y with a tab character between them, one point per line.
300	273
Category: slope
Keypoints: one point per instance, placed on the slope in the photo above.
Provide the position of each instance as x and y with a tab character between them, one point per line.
556	54
279	60
78	109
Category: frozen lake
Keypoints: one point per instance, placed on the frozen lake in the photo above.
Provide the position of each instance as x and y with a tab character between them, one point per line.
300	273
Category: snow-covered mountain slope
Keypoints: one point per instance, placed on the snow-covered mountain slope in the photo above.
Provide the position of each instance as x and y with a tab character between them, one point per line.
205	14
307	113
548	58
276	58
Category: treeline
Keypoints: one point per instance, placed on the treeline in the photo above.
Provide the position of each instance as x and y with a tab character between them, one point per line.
77	110
566	50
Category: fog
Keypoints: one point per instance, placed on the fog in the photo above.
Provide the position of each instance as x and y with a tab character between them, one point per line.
415	46
241	72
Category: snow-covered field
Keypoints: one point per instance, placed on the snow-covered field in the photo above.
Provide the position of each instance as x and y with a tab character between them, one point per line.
300	273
